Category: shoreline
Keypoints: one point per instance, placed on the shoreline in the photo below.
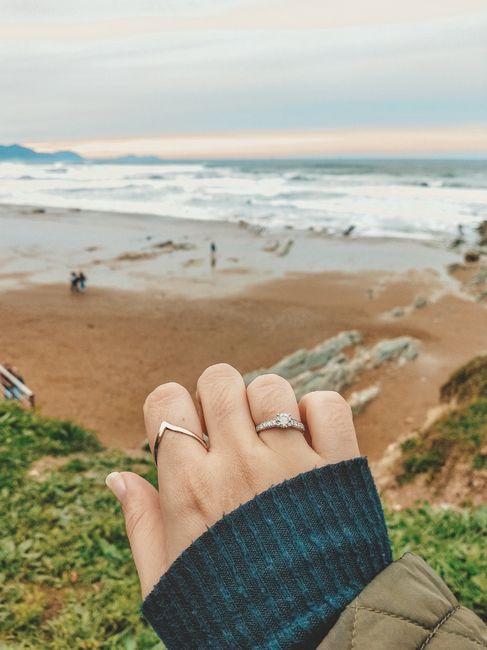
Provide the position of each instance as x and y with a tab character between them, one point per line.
148	252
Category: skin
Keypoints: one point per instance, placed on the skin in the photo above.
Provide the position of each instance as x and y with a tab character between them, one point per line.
197	487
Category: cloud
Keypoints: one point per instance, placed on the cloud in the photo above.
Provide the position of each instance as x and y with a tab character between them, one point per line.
220	80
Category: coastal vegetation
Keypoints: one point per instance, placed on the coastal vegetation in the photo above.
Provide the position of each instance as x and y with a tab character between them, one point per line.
459	436
66	573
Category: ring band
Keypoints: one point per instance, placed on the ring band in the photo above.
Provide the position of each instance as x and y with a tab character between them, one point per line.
172	427
281	421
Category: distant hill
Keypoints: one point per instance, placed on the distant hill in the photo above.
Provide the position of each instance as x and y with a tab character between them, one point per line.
18	153
131	160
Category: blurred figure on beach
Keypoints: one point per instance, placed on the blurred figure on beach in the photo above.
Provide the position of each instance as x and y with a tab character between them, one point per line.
74	281
213	254
81	281
78	282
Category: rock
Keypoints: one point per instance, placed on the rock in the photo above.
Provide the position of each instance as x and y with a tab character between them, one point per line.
472	256
479	278
337	374
360	399
420	302
170	246
459	241
453	268
326	367
397	312
303	360
482	230
286	248
271	248
404	347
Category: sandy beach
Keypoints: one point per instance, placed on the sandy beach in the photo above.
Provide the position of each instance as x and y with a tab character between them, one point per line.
156	311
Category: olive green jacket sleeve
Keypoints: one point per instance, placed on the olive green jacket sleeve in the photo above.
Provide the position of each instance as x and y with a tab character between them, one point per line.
406	607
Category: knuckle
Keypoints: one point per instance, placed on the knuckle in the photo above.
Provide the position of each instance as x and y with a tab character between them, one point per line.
269	382
327	397
219	372
163	394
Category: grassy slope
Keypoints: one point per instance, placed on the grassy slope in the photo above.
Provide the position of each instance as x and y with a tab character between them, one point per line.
460	435
66	575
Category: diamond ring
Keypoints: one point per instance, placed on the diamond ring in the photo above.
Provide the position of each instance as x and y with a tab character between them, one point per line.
281	421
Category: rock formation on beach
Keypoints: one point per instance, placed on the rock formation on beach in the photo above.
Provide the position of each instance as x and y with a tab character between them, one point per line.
328	367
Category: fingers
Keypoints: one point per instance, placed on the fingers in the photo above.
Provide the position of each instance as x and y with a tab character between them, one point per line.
330	424
143	523
221	391
172	403
269	395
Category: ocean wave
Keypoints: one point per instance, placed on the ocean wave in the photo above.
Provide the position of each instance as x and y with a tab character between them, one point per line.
420	199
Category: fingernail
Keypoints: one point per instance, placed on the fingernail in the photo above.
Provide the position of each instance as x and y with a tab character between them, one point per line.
116	484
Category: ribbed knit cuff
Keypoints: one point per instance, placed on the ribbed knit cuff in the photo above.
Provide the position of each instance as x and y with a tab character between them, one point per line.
277	571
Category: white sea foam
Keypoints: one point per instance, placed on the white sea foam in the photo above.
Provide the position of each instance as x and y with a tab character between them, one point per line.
419	199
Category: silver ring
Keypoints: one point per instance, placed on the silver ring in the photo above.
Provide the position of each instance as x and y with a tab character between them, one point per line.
281	421
172	427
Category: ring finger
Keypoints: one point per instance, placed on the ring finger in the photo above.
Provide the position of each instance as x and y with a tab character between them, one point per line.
269	395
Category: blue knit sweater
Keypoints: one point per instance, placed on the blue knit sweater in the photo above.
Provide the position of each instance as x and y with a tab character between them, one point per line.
276	572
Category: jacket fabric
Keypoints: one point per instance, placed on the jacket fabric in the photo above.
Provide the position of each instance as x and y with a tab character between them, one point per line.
406	607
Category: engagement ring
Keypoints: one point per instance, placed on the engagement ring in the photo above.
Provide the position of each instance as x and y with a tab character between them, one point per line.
281	421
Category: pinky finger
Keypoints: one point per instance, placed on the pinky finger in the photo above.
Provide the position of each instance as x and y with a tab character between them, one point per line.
329	421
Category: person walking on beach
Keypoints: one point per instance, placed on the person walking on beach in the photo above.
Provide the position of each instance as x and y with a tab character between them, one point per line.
82	281
74	280
213	254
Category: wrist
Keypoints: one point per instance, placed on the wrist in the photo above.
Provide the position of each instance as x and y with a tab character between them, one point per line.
276	571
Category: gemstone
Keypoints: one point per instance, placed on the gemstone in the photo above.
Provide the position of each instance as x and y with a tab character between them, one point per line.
283	419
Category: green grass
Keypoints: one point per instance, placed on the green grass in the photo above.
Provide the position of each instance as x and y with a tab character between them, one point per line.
458	435
452	542
66	575
468	382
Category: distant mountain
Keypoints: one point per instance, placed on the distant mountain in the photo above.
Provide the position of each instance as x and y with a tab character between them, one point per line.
131	160
18	153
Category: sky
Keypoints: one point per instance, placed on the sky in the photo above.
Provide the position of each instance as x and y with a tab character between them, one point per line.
230	77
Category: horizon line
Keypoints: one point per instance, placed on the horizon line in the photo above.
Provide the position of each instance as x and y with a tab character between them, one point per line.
377	141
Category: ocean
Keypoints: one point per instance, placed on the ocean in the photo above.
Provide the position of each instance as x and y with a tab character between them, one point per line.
419	199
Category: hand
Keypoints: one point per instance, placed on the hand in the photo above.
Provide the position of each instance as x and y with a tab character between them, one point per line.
197	487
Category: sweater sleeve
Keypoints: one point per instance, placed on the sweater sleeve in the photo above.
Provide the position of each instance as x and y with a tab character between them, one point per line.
276	572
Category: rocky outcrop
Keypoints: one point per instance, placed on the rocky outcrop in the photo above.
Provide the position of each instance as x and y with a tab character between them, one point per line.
360	399
305	360
328	367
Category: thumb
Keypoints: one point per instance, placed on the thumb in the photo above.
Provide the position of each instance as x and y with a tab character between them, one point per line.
143	522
